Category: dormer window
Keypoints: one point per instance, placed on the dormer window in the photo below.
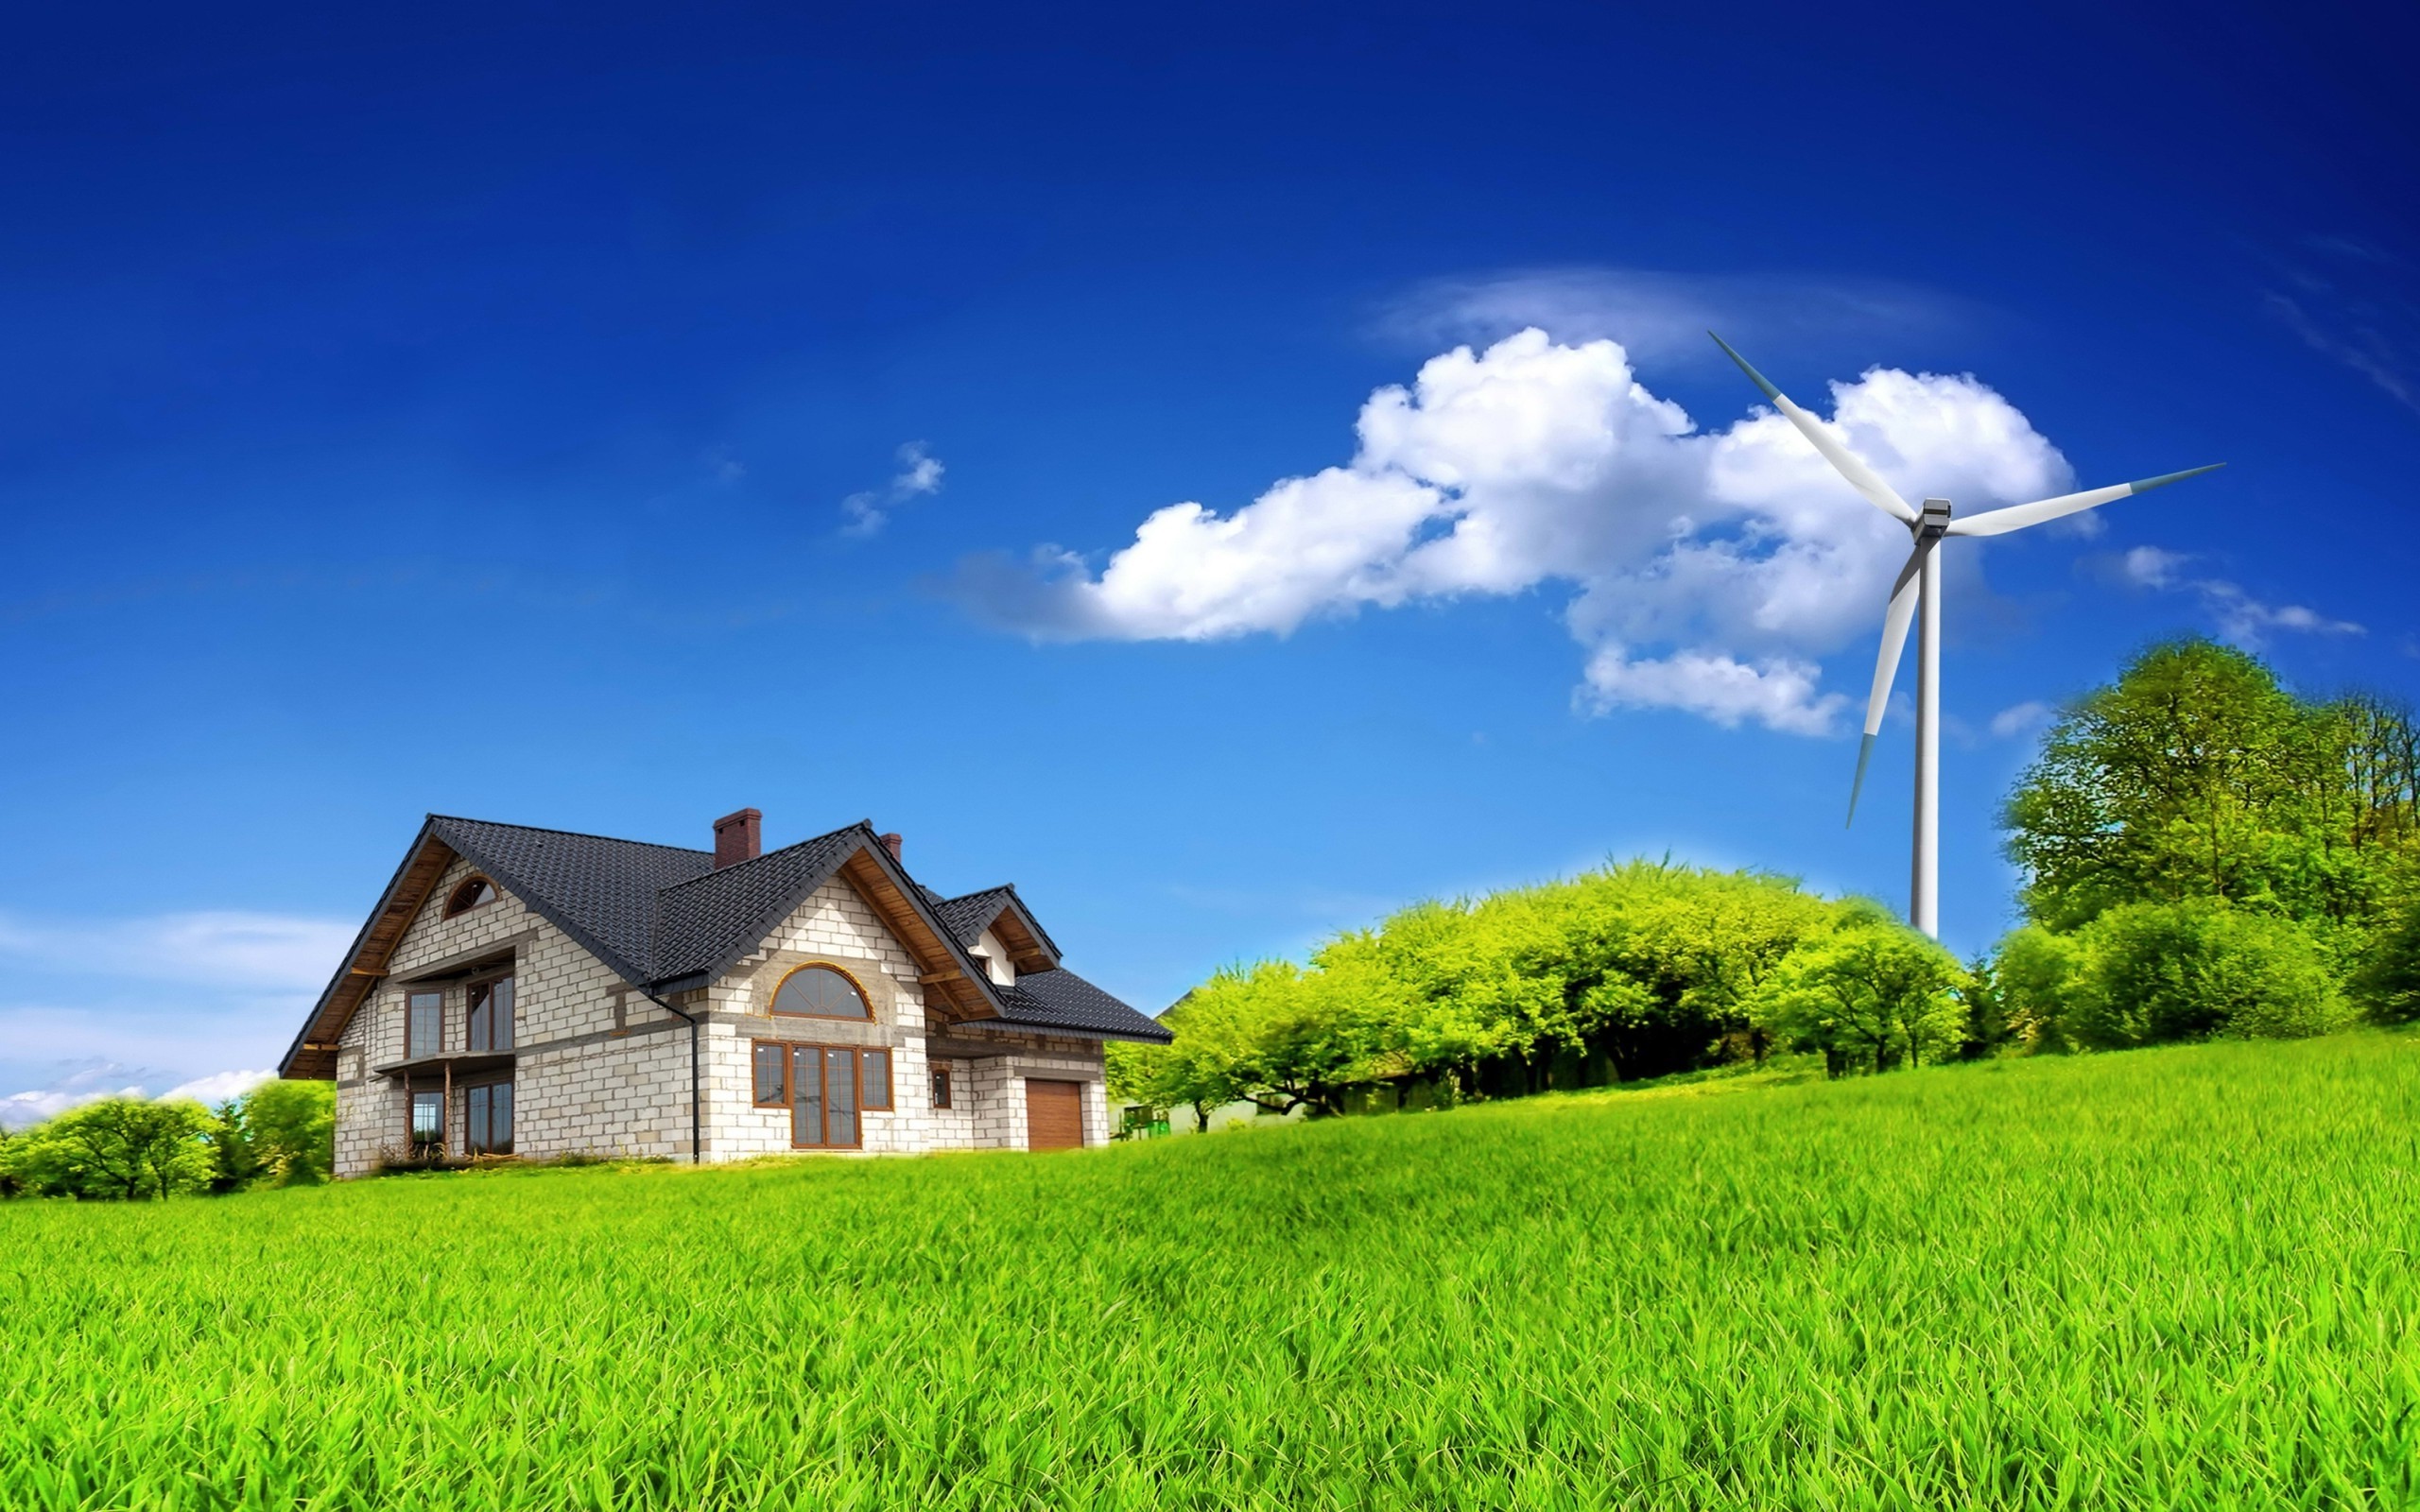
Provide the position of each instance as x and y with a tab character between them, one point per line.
820	992
994	957
474	892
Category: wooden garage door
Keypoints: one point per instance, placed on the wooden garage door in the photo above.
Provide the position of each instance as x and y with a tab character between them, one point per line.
1054	1115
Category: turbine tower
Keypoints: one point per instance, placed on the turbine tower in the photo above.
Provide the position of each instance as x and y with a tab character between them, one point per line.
1919	588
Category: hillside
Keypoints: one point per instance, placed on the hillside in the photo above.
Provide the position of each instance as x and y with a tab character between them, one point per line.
2169	1278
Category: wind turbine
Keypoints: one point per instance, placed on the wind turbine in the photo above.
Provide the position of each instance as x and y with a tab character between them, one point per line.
1919	586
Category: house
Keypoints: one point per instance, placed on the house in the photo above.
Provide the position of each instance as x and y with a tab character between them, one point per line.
532	992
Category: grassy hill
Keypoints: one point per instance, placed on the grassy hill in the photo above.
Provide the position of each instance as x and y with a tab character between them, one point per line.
2169	1279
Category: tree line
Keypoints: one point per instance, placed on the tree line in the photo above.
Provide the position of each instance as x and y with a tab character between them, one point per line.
2203	852
280	1133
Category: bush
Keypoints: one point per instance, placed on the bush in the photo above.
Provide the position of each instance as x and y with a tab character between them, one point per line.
2151	973
2387	985
1871	994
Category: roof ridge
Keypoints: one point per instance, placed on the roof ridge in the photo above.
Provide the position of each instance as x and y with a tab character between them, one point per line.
576	835
736	866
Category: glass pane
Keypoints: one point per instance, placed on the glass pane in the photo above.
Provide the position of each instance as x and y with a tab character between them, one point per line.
807	1099
877	1069
839	1092
428	1117
501	1117
501	1001
476	1020
940	1089
476	1115
424	1034
769	1075
821	991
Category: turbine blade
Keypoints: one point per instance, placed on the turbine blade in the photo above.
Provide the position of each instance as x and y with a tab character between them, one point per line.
1903	594
1845	461
2017	517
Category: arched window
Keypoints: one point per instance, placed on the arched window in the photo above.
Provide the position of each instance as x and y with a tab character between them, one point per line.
473	892
820	992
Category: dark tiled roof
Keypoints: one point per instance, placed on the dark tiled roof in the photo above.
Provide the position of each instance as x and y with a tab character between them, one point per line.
968	916
1061	1000
707	923
601	892
658	913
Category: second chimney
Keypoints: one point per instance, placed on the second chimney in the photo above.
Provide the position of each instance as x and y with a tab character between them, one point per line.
736	838
891	843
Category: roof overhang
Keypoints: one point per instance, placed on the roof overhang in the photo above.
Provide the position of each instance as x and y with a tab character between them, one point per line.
313	1055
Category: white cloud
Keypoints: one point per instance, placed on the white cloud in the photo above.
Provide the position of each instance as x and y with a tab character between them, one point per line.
224	947
218	1087
2021	719
920	473
2242	618
1712	569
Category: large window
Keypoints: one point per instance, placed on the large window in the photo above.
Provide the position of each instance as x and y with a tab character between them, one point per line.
488	1111
425	1025
826	1087
820	992
491	1016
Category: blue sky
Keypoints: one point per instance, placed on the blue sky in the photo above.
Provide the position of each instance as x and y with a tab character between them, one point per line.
607	422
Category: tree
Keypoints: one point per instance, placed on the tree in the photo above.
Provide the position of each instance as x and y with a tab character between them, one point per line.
116	1148
2388	981
2196	775
1869	994
2156	973
292	1126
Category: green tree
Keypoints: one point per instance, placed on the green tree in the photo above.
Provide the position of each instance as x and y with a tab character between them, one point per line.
2196	775
291	1126
2155	972
1869	994
117	1148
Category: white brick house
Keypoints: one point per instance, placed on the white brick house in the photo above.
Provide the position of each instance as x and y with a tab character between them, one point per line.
534	993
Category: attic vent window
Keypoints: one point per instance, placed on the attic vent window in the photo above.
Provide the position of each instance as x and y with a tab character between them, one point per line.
470	895
820	992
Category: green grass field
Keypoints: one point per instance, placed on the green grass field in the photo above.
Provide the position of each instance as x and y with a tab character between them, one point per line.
2171	1279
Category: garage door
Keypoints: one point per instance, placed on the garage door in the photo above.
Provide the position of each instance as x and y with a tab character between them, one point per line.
1054	1115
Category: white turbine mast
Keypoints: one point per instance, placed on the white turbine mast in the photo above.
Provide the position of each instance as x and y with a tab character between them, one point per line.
1919	588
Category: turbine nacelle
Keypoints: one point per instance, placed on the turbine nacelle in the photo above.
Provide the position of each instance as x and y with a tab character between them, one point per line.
1932	521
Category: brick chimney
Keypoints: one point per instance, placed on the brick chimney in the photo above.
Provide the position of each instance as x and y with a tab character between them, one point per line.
736	838
891	843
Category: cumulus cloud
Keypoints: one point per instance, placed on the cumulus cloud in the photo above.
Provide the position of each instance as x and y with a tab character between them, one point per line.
1710	568
920	473
2247	621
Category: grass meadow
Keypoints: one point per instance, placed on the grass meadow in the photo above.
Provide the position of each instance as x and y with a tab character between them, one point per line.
2179	1278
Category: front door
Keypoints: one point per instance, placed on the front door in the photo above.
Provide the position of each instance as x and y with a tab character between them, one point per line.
1054	1115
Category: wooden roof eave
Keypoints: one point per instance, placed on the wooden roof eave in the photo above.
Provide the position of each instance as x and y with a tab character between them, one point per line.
313	1055
944	968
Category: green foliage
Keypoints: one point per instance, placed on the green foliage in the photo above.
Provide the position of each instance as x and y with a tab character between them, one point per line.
116	1148
282	1133
2196	775
2388	982
1871	994
2180	1278
2207	853
1645	968
2148	974
292	1129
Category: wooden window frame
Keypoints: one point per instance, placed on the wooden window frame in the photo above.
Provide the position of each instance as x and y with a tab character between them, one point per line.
456	908
942	1090
835	968
511	1115
417	991
790	1052
470	990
